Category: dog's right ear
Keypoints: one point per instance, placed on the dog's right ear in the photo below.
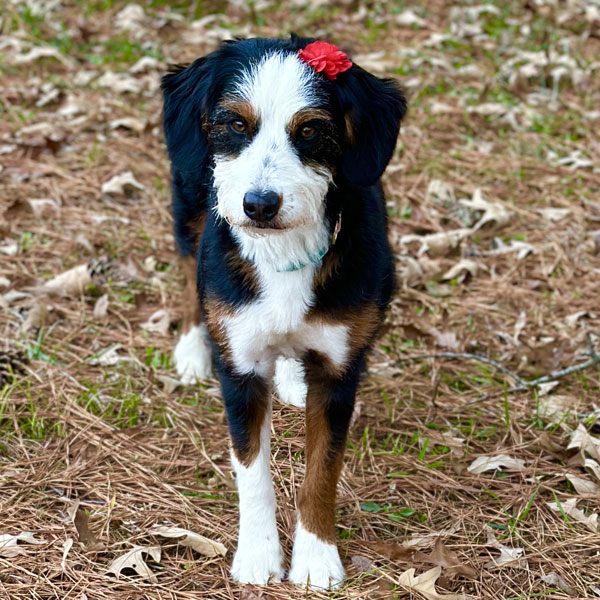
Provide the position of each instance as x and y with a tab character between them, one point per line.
187	92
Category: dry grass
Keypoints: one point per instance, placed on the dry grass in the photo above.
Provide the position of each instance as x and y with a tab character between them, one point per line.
137	449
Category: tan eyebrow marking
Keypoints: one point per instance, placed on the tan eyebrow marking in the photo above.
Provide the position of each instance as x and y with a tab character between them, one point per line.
305	115
244	109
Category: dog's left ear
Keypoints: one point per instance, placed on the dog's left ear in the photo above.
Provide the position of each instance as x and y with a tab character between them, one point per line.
373	109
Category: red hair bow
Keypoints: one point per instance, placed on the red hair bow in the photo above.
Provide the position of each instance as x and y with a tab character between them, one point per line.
324	57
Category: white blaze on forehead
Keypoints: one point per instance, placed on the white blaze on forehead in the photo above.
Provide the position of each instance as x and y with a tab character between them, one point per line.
278	87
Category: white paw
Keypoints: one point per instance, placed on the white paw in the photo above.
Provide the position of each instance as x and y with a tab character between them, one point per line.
192	355
257	561
289	381
315	562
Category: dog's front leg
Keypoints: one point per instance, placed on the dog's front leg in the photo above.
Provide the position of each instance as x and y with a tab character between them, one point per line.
248	403
329	405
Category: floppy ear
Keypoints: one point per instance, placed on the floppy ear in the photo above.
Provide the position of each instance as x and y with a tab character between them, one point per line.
186	92
373	109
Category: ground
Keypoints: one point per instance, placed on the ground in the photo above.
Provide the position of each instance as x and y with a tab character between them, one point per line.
500	148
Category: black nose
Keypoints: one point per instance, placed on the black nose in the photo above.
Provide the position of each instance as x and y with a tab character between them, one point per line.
261	206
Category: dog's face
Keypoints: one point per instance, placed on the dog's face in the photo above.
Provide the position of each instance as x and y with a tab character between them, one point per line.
275	146
272	135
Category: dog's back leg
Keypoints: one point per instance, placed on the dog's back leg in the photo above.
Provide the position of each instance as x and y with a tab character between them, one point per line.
192	354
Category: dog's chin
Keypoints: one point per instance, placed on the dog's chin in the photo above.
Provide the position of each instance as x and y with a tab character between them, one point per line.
258	229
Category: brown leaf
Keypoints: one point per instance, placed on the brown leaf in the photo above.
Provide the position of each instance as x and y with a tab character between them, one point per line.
197	542
362	564
86	537
425	584
443	557
392	551
18	209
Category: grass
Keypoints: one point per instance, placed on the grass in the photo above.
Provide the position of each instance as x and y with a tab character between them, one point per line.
137	448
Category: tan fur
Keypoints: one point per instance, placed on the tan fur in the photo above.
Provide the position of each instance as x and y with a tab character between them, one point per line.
303	116
192	316
245	110
316	500
214	312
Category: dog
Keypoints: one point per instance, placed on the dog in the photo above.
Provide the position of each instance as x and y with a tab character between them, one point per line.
277	148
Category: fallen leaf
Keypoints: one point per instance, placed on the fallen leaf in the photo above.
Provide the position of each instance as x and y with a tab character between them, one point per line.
121	83
134	560
425	584
581	439
146	63
436	244
197	542
443	557
137	125
554	214
47	52
121	185
9	544
108	357
571	320
252	592
130	17
556	406
36	317
158	322
508	555
66	547
441	191
101	307
493	212
44	206
519	326
491	463
555	580
449	439
522	249
362	564
70	283
461	269
593	466
569	508
86	537
583	486
407	18
392	551
19	208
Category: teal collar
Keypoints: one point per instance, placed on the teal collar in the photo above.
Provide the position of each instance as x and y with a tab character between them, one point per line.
315	259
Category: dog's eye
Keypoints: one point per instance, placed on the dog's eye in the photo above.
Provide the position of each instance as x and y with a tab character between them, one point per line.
239	125
308	132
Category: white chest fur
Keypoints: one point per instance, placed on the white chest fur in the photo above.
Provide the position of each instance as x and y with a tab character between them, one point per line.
275	324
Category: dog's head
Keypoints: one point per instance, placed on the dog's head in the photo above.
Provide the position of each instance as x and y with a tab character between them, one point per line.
272	134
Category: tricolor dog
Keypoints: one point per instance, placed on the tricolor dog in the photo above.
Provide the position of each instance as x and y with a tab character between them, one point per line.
277	148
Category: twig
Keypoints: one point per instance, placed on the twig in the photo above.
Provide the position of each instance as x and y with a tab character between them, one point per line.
456	355
522	383
526	385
